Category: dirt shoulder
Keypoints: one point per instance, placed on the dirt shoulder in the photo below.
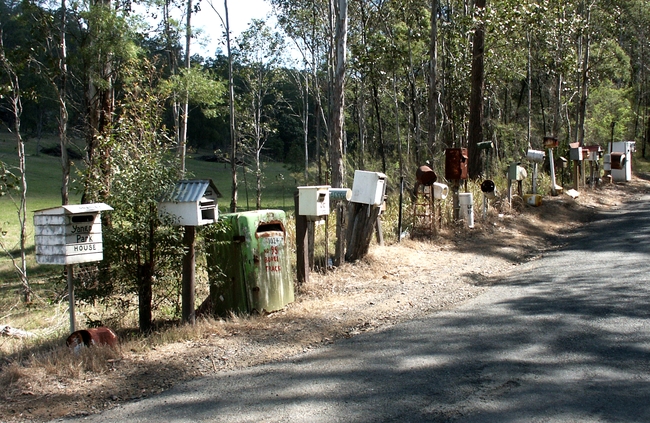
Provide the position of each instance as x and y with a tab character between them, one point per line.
392	284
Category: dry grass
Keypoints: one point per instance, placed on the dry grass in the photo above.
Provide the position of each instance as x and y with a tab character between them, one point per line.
393	283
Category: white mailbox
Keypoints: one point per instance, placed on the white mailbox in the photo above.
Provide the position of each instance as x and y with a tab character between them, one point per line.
314	201
69	234
627	148
368	187
191	203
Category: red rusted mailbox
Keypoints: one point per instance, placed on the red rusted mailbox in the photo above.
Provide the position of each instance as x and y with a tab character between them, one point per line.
456	164
550	142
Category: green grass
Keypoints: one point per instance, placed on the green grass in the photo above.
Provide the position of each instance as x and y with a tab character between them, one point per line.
44	191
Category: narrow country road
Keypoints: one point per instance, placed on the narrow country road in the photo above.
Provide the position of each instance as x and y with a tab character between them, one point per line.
565	338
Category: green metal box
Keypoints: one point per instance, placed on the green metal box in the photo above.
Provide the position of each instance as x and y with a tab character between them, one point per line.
248	264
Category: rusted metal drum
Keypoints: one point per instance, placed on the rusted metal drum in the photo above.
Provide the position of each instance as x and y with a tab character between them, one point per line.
617	160
92	336
425	175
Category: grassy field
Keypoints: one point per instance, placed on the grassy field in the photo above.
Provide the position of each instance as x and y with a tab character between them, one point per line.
44	186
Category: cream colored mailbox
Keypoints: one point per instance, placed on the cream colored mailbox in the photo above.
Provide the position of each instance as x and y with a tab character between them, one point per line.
191	203
314	201
69	234
368	187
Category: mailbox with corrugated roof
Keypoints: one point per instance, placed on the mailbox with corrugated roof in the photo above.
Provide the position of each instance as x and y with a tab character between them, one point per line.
191	203
69	234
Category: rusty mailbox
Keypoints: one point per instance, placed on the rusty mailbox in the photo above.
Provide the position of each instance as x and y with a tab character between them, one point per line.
456	164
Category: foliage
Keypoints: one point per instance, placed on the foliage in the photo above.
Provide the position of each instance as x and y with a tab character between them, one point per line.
204	90
8	181
142	256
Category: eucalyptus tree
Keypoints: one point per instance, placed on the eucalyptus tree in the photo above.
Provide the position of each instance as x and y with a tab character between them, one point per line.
337	126
10	89
476	96
106	48
260	54
307	23
142	253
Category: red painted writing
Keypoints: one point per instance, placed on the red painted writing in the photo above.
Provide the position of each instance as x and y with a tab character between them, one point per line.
271	256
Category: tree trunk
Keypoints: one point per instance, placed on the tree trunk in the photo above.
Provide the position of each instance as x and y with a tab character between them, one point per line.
305	123
584	91
363	218
231	103
476	97
186	100
433	79
337	124
16	107
380	127
145	297
100	103
63	109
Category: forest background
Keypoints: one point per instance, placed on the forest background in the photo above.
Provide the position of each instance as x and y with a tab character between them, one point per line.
379	85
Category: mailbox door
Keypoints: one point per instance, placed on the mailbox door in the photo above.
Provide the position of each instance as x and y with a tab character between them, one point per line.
269	284
225	269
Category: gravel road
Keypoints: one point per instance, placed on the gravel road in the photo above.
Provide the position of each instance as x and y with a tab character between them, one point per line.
566	338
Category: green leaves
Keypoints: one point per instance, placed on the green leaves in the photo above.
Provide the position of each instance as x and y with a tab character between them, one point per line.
8	181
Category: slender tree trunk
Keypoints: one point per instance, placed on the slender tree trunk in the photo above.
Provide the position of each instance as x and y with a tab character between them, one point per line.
186	100
305	123
231	104
100	102
380	127
173	69
361	98
529	85
433	79
337	124
16	106
584	91
63	108
399	140
476	97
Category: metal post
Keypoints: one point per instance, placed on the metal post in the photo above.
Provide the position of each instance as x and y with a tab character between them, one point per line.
552	163
456	203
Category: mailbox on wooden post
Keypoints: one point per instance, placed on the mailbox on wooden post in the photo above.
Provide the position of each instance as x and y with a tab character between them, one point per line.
68	235
190	204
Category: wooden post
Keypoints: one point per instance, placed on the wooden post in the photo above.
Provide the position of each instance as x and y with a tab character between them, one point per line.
378	232
576	174
455	201
363	218
302	244
189	264
73	319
